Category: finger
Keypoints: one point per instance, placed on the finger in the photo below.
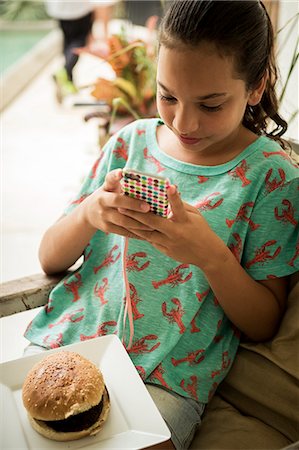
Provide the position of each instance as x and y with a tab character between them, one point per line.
123	232
126	222
151	220
152	236
177	206
112	181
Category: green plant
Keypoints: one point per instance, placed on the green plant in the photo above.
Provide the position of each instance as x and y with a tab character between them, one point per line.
288	28
22	10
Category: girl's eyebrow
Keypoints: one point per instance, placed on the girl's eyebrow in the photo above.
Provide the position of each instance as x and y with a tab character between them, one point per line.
203	97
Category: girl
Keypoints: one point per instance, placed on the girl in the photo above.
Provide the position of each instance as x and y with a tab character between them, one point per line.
219	264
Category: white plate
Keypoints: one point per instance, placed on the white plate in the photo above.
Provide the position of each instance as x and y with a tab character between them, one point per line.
134	421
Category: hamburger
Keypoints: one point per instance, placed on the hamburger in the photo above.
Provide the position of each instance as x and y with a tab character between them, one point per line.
65	397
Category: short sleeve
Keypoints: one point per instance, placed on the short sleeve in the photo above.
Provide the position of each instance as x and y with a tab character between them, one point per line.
271	248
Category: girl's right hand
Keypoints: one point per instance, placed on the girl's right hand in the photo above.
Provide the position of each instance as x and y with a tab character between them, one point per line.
101	208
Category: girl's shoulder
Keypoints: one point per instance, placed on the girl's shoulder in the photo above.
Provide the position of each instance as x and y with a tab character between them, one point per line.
270	156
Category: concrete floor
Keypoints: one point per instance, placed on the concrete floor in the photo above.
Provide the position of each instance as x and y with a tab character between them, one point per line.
47	149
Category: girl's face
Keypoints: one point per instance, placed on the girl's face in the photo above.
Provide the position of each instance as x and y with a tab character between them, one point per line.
201	100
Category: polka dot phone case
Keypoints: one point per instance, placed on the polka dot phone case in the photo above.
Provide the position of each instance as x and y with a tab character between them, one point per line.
150	188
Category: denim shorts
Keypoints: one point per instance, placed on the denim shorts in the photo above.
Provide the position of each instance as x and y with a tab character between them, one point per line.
181	414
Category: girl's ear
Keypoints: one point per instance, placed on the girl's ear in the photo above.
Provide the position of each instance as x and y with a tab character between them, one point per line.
257	93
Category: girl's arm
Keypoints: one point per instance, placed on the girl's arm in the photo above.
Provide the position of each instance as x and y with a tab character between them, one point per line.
64	242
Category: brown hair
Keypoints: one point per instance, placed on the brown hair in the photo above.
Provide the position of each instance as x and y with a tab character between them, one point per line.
239	28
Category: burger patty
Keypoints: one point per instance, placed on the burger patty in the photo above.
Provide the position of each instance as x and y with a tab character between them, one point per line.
78	422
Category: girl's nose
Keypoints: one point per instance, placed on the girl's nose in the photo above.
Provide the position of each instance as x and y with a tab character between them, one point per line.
185	121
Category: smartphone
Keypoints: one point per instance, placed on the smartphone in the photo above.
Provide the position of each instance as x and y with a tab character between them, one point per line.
150	188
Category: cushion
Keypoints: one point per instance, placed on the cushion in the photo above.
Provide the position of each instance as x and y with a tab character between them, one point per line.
257	405
225	428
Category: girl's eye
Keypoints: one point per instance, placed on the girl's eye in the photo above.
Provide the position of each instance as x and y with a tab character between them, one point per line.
211	108
164	98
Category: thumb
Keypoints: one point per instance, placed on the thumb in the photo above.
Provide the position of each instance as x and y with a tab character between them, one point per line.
112	181
177	206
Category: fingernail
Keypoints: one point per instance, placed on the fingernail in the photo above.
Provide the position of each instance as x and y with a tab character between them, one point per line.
144	206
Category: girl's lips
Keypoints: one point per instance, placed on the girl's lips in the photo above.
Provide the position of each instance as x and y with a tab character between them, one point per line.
188	140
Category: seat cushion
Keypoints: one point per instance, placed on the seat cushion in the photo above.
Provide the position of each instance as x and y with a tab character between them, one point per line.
257	405
225	428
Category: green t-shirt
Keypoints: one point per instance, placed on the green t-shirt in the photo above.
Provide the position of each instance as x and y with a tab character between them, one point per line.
182	337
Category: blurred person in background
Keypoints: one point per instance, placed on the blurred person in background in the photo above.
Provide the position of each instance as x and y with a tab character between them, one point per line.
76	20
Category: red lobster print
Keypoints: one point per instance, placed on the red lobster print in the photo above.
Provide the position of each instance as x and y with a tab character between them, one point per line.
194	328
287	214
95	166
174	278
226	361
157	374
134	300
281	153
141	371
133	264
121	150
101	331
263	255
274	184
74	286
242	215
240	172
175	314
153	160
99	291
79	200
236	248
141	346
296	255
48	307
191	388
192	358
200	296
52	341
140	132
109	259
218	337
201	179
73	317
206	204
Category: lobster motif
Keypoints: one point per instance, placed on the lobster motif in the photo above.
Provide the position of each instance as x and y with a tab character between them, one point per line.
74	286
132	263
192	358
191	388
141	346
73	317
287	214
175	277
206	204
274	184
175	314
263	255
242	215
158	375
101	331
99	291
109	259
240	172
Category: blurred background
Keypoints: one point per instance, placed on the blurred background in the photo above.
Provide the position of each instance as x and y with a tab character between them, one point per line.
52	127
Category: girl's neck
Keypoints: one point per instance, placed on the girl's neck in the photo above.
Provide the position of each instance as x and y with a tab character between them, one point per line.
212	155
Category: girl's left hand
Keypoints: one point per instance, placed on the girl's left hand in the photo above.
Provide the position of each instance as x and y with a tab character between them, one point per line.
184	236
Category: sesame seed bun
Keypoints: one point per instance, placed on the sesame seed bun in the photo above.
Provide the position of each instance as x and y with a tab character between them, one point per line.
65	397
